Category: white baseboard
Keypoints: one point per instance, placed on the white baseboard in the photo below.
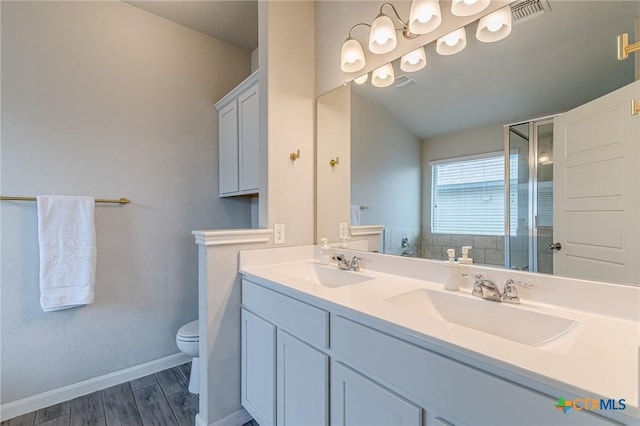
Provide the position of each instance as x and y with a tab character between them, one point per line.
238	418
56	396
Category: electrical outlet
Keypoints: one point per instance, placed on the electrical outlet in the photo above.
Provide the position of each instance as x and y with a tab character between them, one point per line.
278	233
344	230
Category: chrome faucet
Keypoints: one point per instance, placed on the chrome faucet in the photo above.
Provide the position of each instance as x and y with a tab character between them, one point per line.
345	264
510	291
486	289
489	290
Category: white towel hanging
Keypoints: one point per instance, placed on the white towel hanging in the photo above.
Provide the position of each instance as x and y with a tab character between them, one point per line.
67	238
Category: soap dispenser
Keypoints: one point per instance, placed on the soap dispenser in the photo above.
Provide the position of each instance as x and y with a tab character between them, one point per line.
451	272
325	252
465	259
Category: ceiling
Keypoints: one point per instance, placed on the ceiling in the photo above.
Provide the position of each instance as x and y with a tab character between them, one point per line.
232	21
547	65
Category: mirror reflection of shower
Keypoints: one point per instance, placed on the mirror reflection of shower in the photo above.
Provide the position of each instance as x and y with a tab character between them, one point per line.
529	195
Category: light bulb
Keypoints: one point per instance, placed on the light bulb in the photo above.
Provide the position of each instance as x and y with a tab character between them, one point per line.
414	60
382	37
383	76
495	26
452	43
352	56
425	16
362	79
451	39
468	7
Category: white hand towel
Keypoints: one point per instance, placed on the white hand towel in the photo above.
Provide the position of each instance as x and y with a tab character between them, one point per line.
67	237
355	215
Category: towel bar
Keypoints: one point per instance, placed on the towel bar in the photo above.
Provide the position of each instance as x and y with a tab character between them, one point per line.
121	201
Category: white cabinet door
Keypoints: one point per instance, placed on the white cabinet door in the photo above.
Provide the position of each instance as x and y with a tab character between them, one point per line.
258	368
302	383
248	136
357	401
228	149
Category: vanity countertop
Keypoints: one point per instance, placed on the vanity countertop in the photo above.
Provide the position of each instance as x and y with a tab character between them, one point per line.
597	358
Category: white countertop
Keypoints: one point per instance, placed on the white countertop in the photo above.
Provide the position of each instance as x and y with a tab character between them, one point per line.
598	358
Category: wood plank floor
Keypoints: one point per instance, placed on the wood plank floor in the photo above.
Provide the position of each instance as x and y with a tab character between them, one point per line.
160	399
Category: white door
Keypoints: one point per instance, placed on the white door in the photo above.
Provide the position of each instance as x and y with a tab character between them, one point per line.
258	358
228	149
597	189
302	383
248	139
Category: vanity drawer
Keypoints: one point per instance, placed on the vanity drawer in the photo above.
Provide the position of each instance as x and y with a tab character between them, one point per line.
473	396
307	322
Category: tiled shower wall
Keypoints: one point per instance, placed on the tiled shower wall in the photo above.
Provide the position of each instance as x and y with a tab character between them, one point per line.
486	249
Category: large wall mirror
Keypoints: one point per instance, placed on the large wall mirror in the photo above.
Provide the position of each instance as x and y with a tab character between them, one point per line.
408	154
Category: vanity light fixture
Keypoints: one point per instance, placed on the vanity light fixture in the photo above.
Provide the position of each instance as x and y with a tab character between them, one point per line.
383	76
425	16
414	60
452	43
382	33
362	79
495	26
624	48
468	7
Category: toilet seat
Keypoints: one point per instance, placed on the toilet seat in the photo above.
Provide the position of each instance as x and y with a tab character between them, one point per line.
189	332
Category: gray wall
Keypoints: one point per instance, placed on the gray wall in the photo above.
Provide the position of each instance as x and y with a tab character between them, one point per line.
103	99
488	250
385	173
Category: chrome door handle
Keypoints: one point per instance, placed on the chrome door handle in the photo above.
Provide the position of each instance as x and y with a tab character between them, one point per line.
555	246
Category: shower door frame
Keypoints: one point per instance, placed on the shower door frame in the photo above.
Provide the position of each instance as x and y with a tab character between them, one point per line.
532	214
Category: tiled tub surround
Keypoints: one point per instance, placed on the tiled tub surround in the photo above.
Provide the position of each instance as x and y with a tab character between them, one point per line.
488	250
600	359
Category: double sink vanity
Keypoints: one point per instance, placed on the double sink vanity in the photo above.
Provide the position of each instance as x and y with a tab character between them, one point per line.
387	345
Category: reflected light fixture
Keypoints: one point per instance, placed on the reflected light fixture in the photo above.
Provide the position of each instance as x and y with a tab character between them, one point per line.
362	79
414	60
383	76
545	159
425	16
452	43
495	26
468	7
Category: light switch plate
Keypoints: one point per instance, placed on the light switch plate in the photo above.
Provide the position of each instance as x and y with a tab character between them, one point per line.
344	230
278	233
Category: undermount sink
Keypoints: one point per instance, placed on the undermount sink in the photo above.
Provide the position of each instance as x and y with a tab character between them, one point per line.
328	276
506	321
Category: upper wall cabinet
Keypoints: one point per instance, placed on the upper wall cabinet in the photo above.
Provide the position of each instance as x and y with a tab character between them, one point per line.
238	139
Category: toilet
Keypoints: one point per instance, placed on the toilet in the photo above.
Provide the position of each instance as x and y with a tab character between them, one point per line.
188	341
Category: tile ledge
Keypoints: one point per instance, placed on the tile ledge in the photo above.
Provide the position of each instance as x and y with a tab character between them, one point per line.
220	237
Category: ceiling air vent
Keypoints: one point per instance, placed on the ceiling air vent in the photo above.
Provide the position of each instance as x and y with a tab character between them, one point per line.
525	10
403	81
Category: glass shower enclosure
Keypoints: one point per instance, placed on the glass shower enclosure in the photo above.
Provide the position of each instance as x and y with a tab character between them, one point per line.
529	195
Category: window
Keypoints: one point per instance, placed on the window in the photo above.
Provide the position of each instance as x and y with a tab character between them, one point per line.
467	196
